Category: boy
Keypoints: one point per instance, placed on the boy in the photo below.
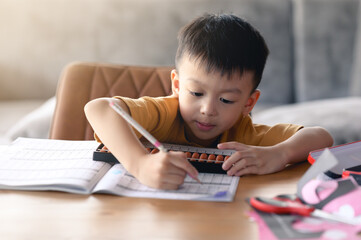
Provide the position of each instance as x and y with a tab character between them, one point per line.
219	64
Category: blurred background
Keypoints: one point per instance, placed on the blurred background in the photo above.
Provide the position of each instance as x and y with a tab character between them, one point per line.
39	37
314	44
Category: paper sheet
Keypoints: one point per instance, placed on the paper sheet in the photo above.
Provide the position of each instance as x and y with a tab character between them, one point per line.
42	164
214	187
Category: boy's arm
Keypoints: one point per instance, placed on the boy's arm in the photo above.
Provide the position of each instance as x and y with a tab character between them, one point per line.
263	160
162	170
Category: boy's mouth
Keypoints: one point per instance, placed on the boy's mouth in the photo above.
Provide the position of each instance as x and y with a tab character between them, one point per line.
204	126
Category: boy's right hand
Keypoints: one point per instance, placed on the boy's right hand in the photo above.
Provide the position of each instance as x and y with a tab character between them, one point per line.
164	170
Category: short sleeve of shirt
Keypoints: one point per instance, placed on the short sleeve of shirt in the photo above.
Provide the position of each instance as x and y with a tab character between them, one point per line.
154	114
275	134
244	131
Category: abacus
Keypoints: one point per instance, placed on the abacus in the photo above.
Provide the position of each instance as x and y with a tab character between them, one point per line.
206	160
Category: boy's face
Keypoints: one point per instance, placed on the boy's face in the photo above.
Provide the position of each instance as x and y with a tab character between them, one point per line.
210	103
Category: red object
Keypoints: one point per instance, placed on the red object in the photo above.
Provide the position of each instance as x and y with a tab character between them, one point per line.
281	206
347	173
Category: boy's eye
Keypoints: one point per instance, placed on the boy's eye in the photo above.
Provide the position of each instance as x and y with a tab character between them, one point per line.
225	100
196	94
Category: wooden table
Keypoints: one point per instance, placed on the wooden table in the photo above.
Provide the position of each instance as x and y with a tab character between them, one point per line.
57	215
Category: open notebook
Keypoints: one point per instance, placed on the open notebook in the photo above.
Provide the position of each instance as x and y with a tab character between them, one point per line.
43	164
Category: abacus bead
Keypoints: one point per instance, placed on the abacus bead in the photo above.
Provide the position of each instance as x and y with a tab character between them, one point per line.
219	159
203	156
211	158
155	150
195	156
189	155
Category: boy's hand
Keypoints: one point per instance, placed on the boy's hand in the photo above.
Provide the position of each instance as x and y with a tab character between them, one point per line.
164	170
252	159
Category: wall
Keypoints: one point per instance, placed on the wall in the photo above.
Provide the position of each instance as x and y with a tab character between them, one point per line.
311	41
39	37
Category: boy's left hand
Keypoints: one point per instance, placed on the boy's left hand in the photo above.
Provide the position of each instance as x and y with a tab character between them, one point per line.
252	159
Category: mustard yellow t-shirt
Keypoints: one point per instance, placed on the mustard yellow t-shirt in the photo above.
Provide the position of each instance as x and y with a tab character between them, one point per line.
161	117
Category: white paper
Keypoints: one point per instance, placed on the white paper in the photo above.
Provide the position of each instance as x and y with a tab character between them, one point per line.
214	187
41	164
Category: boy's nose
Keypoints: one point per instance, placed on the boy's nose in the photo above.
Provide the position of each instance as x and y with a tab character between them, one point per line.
208	108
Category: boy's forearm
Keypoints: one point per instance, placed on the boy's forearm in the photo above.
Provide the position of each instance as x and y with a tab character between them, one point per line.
297	147
114	132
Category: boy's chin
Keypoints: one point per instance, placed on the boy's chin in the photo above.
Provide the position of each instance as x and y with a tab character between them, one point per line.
204	139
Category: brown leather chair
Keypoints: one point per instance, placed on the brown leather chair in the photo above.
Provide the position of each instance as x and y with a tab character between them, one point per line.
81	82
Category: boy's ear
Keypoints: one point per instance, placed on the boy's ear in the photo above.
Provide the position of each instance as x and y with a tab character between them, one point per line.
251	101
175	82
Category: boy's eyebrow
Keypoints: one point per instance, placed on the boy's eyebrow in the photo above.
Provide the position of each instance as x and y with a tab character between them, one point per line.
230	90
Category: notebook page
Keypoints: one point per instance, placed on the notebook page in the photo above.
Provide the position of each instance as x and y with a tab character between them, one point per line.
44	164
214	187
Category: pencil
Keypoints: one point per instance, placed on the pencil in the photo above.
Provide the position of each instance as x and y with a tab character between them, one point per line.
141	130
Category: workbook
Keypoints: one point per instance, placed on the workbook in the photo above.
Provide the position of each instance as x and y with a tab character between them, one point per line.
68	166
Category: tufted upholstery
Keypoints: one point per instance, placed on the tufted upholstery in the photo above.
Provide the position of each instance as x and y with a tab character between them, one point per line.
82	82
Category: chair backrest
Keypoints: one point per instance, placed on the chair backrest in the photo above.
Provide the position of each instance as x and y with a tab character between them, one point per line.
81	82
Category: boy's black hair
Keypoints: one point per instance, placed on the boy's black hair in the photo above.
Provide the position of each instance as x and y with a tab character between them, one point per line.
225	43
